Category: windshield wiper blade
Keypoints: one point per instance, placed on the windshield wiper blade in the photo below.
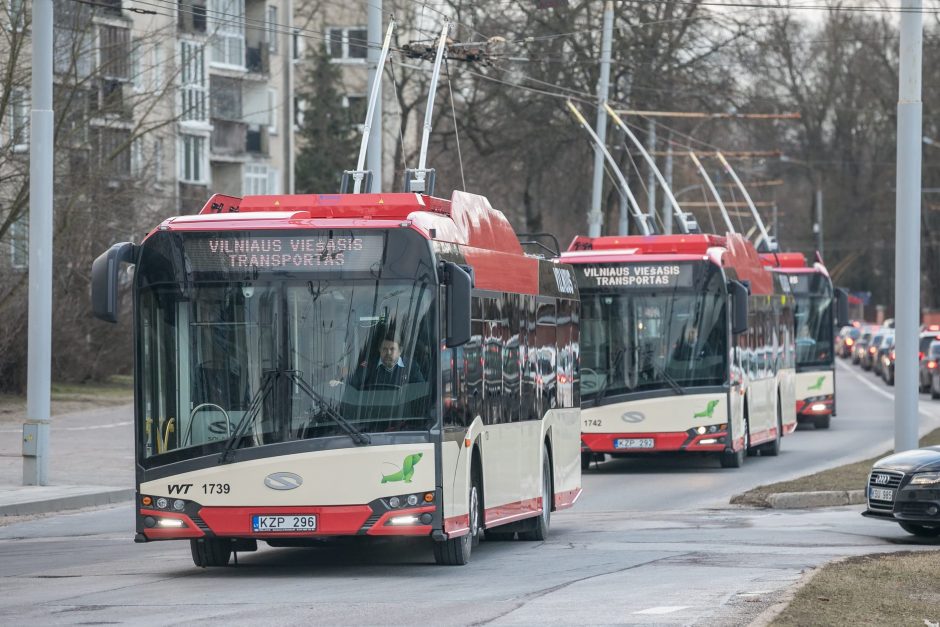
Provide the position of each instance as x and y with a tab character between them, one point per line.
357	436
253	408
668	378
602	390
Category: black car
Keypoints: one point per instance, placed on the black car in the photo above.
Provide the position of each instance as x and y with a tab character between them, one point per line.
861	344
905	488
846	341
929	361
885	348
868	356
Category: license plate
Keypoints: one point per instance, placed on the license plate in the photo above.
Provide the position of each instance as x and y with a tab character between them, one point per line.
284	522
880	494
633	443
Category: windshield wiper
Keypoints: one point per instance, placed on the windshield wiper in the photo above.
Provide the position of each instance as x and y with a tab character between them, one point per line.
602	390
357	436
668	378
253	408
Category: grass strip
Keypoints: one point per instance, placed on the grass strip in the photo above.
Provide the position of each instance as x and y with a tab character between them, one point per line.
847	477
886	589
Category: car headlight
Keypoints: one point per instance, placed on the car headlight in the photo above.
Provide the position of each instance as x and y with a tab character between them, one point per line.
926	478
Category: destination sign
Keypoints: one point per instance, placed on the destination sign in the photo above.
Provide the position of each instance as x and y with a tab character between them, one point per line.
635	275
265	253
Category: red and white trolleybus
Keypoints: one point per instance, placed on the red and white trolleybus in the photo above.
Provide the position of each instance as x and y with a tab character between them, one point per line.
818	312
686	345
328	365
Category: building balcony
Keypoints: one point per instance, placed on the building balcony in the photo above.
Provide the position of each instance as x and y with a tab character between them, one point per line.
236	140
258	60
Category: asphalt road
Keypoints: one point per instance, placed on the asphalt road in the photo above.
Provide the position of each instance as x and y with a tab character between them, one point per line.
651	542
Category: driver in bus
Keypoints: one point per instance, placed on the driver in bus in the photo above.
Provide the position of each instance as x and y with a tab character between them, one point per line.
389	370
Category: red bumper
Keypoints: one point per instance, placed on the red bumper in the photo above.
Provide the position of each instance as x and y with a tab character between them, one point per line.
662	442
236	522
821	406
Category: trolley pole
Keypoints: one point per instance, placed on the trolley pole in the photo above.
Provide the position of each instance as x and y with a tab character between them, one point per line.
667	174
595	218
374	35
819	221
907	239
651	176
39	335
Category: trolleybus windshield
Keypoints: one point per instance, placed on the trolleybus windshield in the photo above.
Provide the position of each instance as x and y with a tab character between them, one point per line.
234	358
813	319
641	338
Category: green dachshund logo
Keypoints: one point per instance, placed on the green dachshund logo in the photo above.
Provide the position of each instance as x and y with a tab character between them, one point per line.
407	469
709	410
818	384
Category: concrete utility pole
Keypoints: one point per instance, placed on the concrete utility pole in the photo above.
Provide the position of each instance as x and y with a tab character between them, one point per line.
374	35
39	361
595	218
907	239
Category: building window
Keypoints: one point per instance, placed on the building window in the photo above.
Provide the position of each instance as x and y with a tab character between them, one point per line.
192	82
356	107
115	151
114	52
191	16
19	241
158	160
157	56
226	100
193	159
259	180
347	44
297	45
272	111
227	29
270	28
299	107
73	51
19	119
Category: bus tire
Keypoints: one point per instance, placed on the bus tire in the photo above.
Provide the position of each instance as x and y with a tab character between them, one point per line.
210	552
821	422
456	551
539	531
772	449
735	459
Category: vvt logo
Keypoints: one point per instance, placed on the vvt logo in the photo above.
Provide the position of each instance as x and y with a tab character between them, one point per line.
633	417
283	481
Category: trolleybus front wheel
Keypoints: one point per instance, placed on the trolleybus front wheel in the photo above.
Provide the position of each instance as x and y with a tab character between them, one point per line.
735	459
456	551
210	552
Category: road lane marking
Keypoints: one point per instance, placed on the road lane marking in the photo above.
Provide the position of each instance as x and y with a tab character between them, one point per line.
888	395
665	609
86	428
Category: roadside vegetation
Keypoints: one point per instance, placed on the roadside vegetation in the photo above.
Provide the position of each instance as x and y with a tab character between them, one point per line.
847	477
887	589
72	397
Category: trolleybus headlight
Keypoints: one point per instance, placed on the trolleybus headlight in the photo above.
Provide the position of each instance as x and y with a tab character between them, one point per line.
170	522
394	502
403	520
161	503
179	505
818	407
412	499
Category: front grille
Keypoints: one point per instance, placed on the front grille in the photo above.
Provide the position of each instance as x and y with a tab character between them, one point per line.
886	479
200	522
371	520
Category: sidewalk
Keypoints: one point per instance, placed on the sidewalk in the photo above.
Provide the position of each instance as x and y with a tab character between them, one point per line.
91	462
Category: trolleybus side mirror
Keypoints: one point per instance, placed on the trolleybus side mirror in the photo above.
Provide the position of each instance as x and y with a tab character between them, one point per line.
739	296
459	285
104	279
842	307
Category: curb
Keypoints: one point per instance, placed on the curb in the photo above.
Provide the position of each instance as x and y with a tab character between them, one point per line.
74	501
802	500
767	617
